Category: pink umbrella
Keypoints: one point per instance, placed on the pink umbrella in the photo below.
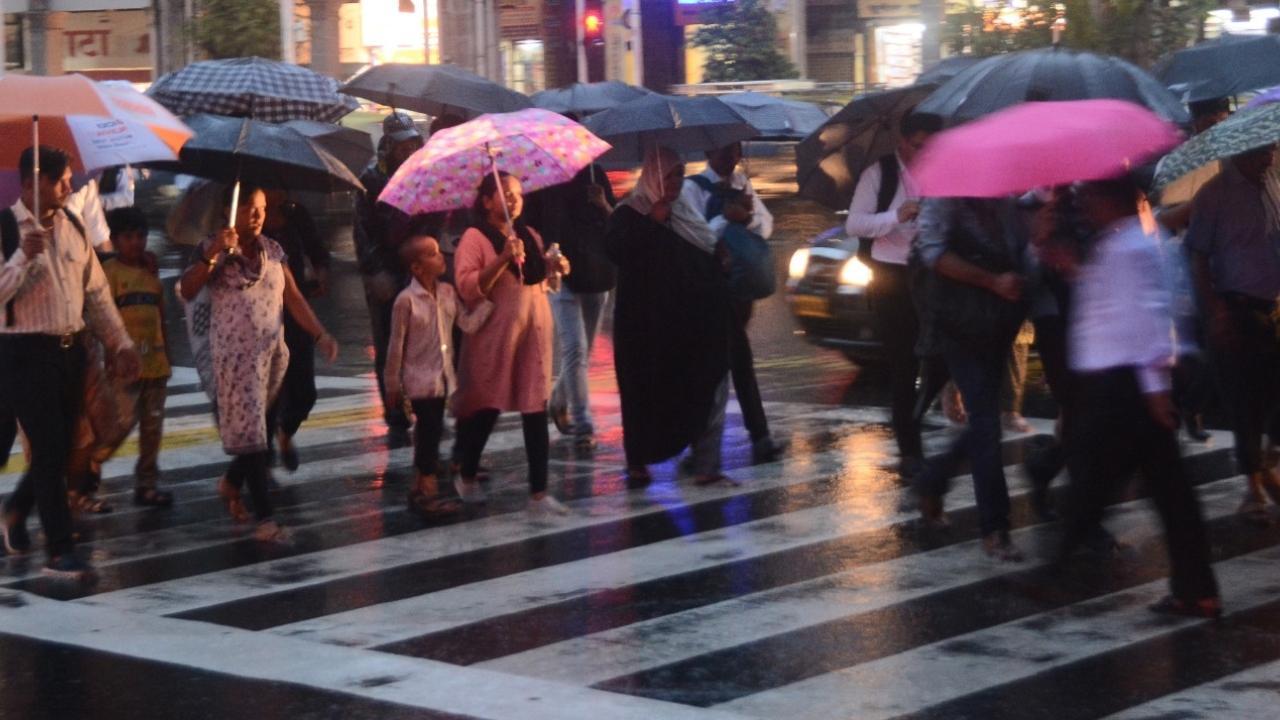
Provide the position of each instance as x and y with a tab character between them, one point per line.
1040	144
539	147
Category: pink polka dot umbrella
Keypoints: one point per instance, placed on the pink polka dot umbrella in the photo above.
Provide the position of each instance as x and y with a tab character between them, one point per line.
539	147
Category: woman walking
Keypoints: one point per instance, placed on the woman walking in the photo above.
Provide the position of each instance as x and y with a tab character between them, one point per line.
506	364
249	288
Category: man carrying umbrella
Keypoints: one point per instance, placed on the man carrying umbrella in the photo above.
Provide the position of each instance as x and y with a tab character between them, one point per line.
883	214
376	229
1232	241
706	193
50	283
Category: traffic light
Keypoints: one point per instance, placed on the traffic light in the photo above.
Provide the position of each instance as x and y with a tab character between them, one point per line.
593	39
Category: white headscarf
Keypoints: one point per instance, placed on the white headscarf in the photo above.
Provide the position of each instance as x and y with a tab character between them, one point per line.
687	222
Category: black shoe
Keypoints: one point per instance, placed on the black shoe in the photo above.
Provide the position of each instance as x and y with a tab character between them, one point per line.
69	567
15	538
398	436
289	458
151	497
909	467
767	450
1195	428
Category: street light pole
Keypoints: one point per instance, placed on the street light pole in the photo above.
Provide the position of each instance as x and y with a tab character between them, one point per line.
288	51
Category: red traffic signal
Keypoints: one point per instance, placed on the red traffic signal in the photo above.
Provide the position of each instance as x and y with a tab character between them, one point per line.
592	24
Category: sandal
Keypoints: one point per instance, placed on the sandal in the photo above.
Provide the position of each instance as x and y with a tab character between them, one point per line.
637	477
432	507
713	478
1209	608
270	531
231	498
151	497
89	503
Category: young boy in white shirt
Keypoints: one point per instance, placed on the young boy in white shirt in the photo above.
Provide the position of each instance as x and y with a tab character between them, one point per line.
420	362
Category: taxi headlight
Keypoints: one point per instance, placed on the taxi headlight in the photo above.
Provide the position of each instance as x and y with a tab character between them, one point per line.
855	272
799	264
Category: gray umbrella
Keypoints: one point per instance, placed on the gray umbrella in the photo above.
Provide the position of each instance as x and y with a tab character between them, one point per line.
265	90
829	162
1223	67
684	124
587	98
776	118
353	147
1249	129
947	68
434	90
1049	74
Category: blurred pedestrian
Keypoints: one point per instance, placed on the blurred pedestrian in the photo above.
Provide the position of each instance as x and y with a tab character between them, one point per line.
1122	352
420	362
506	364
377	231
883	216
51	282
574	216
291	226
976	252
671	324
1013	390
707	192
1236	270
250	287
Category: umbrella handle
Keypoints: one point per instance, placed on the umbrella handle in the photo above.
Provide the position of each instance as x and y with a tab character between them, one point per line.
235	205
497	182
35	167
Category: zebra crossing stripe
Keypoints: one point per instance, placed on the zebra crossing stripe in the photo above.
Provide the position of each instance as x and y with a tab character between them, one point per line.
1247	695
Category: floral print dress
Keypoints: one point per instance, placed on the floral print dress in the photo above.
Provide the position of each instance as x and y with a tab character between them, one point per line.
246	339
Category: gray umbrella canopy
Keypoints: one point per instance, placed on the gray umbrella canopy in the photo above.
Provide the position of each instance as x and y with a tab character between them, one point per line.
1222	67
829	162
684	124
776	118
254	87
587	98
353	147
271	156
1250	129
434	90
947	68
1049	74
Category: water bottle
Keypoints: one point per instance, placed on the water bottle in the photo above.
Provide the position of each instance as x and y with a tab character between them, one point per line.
553	276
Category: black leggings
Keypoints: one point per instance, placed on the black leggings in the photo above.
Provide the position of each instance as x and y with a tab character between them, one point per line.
253	469
473	433
426	434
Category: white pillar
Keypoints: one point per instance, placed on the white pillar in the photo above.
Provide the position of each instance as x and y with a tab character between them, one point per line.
579	35
288	50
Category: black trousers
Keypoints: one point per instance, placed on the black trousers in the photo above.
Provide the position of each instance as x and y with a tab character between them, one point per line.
43	383
1113	435
743	368
426	434
474	431
899	328
254	470
1250	376
298	392
1046	461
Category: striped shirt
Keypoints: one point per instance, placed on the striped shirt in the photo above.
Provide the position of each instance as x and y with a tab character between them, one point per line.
54	293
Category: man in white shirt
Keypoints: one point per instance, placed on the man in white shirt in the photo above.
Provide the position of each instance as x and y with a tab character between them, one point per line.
706	192
883	216
50	283
1120	348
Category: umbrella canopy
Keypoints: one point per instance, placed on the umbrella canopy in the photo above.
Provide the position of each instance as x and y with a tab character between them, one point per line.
353	147
1049	74
1040	144
1247	130
539	147
1267	96
776	118
253	87
1225	66
229	149
587	98
434	90
830	161
684	124
947	68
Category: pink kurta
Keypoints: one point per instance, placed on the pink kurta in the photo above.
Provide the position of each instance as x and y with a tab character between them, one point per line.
506	364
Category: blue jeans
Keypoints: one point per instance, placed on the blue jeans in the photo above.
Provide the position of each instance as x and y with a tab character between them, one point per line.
578	317
978	373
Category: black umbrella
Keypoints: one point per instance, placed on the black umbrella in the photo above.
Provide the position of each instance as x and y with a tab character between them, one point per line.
947	68
353	147
272	156
1223	67
829	162
587	98
434	90
683	124
1049	74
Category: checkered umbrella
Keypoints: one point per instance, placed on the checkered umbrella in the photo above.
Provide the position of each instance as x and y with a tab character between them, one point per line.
264	90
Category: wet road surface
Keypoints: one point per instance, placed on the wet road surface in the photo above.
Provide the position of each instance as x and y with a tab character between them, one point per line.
807	591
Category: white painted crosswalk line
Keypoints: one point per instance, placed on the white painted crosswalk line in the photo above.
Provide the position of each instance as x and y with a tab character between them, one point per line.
1249	695
661	641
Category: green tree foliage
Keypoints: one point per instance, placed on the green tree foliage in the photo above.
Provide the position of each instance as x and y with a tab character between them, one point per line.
1141	31
740	42
238	28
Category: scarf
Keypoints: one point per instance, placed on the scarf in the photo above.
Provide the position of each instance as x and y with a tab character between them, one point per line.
685	221
534	269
